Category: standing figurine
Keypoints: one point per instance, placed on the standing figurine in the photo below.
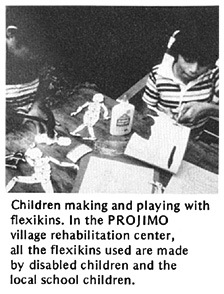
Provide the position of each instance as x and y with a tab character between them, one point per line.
42	170
91	116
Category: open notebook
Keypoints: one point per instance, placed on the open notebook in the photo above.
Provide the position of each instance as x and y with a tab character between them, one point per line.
165	147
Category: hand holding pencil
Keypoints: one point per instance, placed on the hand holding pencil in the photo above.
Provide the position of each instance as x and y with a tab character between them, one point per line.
178	112
191	112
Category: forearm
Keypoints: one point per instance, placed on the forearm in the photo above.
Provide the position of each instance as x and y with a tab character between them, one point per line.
213	110
192	112
208	109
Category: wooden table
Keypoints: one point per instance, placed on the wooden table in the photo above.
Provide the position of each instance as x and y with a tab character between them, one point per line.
69	180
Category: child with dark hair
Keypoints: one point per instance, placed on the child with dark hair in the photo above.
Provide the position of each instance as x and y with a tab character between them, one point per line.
197	45
185	84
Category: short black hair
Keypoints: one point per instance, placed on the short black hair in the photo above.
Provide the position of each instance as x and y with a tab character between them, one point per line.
197	44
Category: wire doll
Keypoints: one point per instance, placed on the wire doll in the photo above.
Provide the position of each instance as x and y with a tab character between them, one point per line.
42	170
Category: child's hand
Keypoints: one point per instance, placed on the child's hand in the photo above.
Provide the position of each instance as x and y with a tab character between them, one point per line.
191	112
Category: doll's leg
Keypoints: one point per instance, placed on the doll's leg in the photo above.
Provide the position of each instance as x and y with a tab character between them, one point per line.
78	129
20	179
91	132
47	186
11	184
27	180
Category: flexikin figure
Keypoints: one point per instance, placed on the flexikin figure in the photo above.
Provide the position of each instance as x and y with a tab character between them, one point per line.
91	116
42	170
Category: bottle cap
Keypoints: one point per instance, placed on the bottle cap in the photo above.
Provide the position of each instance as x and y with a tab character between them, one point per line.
125	98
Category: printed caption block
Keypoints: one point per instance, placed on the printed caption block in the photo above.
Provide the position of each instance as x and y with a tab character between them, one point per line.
91	242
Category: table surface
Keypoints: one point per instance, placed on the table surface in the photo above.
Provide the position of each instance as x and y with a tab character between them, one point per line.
68	180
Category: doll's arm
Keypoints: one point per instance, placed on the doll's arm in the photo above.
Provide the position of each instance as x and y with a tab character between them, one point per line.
79	109
106	114
64	163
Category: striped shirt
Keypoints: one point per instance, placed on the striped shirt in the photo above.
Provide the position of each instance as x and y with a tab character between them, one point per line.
21	95
164	90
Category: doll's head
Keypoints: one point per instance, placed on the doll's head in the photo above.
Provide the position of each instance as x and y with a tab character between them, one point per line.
98	98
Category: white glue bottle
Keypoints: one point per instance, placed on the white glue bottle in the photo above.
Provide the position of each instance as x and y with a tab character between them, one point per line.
122	118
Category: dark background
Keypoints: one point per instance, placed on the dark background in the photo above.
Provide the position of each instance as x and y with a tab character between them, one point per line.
110	46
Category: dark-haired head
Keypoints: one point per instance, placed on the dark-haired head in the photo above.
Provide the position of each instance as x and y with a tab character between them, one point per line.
199	45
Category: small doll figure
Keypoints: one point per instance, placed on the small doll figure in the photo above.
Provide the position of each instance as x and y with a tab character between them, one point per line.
91	116
42	170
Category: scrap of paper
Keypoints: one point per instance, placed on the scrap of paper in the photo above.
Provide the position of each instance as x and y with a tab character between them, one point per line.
76	153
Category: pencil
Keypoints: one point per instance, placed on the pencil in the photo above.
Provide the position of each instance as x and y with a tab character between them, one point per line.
180	111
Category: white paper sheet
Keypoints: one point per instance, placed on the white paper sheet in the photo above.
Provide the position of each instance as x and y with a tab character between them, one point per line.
109	176
79	151
166	138
192	179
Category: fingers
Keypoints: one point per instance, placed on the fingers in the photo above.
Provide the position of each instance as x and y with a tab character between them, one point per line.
185	113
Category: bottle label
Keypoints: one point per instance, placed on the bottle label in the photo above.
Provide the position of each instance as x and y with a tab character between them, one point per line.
123	121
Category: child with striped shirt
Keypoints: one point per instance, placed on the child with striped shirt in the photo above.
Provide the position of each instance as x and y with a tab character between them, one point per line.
185	84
